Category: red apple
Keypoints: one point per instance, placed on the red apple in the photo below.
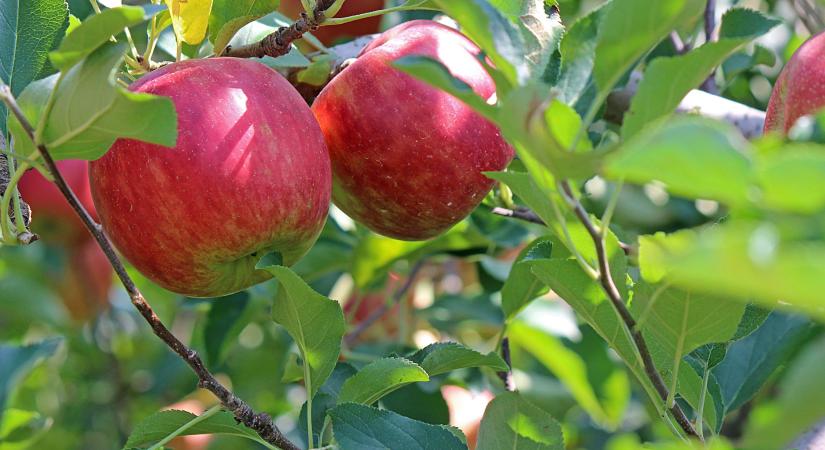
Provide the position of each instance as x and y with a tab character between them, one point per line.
87	281
800	88
407	158
332	34
52	216
250	174
466	410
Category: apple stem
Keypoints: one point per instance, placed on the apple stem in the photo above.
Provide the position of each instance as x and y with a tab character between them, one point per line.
609	287
279	43
262	423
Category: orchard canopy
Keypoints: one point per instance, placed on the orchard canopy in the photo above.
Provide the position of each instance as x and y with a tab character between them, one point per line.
412	224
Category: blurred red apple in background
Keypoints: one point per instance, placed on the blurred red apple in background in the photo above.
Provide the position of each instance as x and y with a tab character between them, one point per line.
407	158
86	279
800	88
333	34
466	410
250	175
52	216
194	441
86	282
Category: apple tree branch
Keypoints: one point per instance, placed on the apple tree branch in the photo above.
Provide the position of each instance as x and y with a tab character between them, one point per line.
262	423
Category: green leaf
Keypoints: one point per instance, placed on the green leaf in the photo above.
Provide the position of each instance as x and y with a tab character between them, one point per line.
675	322
799	406
565	364
420	401
578	53
93	33
379	378
542	33
631	29
668	80
161	424
494	34
86	130
522	287
444	357
694	157
749	363
318	72
315	323
748	261
437	75
511	422
222	323
31	28
20	429
229	16
792	179
566	278
525	188
359	427
17	361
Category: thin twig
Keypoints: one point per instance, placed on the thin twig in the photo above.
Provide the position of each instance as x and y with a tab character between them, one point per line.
507	377
528	215
353	336
809	15
609	287
278	43
262	423
710	35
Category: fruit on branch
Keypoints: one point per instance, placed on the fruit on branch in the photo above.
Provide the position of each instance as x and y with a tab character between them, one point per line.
250	175
800	88
87	280
53	218
333	34
407	158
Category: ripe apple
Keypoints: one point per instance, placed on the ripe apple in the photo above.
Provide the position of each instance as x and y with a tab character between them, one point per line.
52	216
86	281
800	88
407	158
250	175
332	34
466	410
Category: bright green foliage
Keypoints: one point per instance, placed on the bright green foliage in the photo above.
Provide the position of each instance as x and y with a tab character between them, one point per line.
512	422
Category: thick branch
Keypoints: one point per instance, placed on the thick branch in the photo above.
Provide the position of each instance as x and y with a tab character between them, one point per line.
260	422
609	287
278	43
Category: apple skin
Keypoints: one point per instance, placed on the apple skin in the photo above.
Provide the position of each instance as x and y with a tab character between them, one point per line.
407	158
800	88
53	219
250	175
330	35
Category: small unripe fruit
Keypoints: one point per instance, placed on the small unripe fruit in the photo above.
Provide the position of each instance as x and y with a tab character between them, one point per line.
800	88
407	158
249	175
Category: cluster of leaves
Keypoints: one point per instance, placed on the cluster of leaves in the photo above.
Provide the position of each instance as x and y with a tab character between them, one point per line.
712	302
